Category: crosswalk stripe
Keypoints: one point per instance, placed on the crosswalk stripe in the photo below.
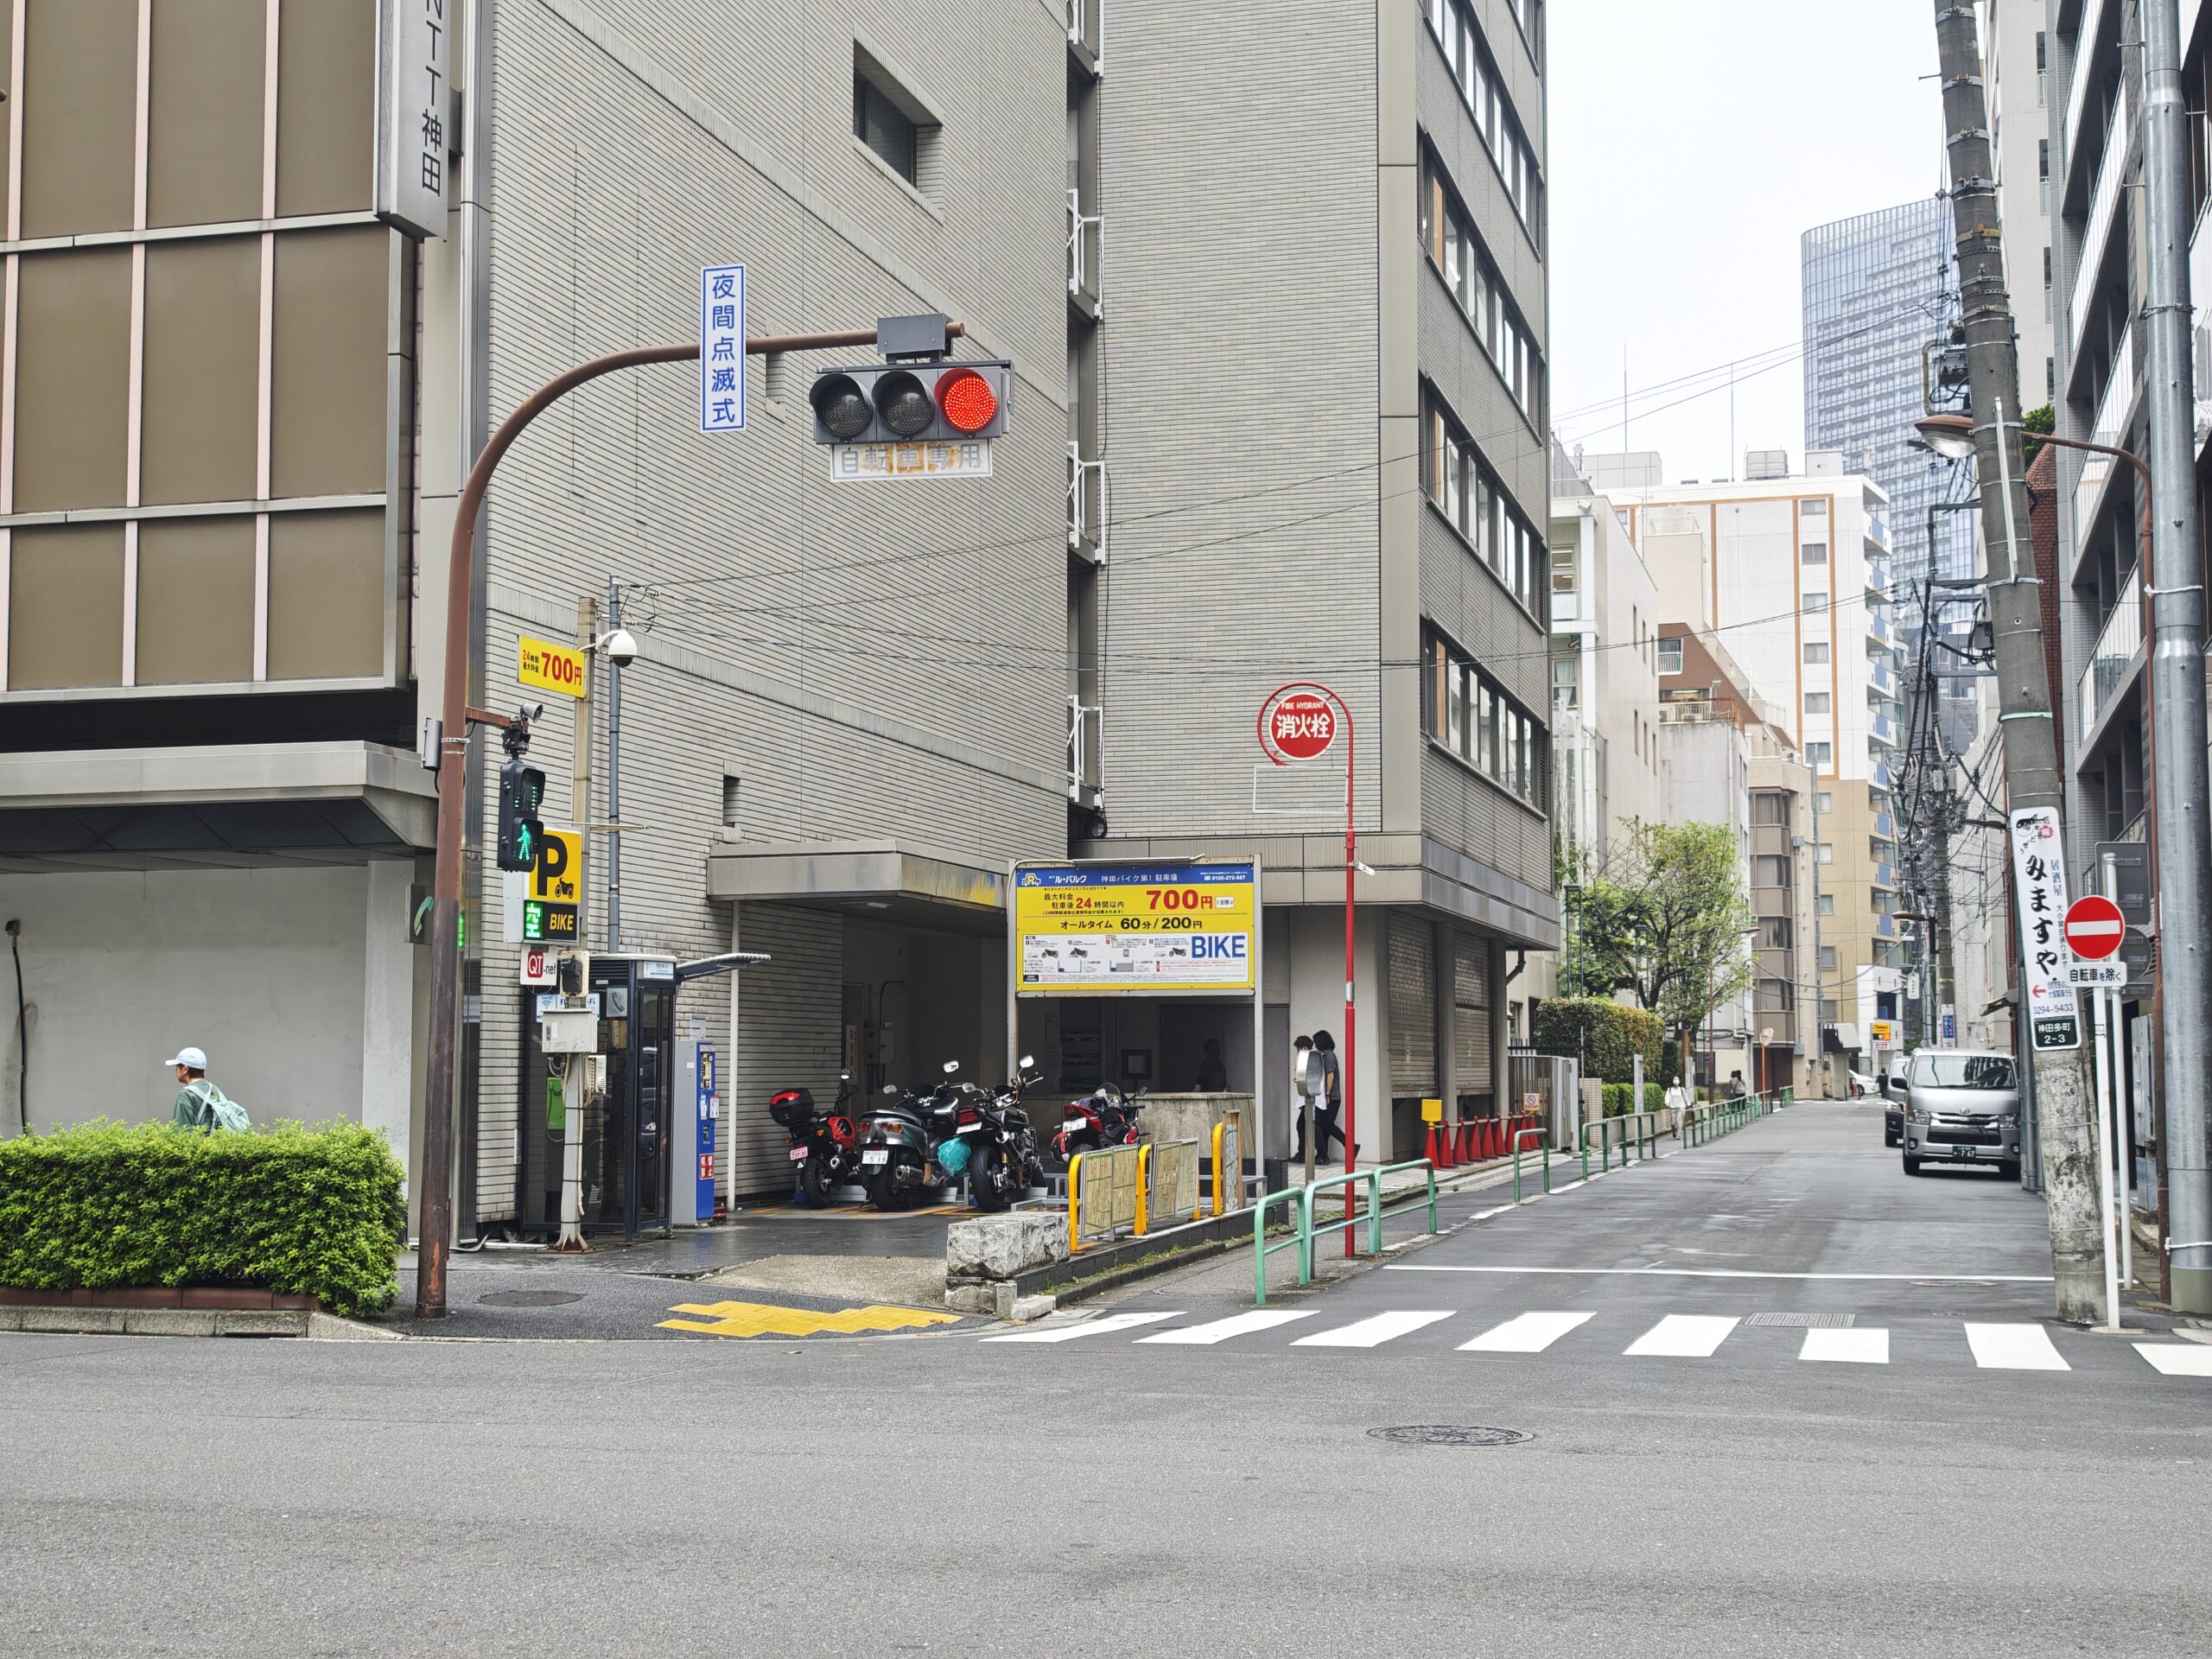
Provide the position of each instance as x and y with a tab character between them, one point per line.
1371	1332
1112	1323
1682	1336
2014	1348
1265	1318
1852	1347
2177	1358
1530	1333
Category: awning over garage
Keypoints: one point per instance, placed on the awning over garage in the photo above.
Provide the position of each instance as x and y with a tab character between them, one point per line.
887	880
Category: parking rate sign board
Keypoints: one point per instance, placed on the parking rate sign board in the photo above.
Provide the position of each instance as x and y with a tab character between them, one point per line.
2040	877
1146	928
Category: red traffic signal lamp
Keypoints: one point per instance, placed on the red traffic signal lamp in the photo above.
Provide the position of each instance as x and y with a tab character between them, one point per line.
922	403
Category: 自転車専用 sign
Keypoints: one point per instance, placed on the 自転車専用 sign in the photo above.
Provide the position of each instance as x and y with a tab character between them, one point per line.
1153	928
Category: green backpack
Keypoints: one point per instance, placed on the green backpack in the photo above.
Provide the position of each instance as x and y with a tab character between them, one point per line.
223	1113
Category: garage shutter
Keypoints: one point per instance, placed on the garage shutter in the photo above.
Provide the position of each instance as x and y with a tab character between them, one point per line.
1470	1015
1412	1010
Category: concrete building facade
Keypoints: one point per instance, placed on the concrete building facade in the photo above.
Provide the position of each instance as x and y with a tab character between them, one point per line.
1326	458
1792	576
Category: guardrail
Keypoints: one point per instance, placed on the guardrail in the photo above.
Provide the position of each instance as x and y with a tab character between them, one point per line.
1168	1182
1543	1141
1302	1198
1642	1127
1708	1123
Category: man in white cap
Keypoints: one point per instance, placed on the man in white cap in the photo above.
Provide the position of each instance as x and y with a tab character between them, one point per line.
196	1097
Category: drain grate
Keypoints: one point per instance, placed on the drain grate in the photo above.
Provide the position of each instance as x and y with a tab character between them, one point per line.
529	1298
1449	1434
1804	1321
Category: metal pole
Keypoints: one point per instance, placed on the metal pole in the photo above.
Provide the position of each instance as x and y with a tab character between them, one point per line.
2123	1140
614	775
575	1082
453	806
2177	668
2104	1005
1351	864
2032	776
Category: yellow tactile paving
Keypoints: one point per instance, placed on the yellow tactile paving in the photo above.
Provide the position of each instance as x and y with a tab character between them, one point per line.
765	1319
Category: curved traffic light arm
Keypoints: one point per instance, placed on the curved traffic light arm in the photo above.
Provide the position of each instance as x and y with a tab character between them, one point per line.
445	967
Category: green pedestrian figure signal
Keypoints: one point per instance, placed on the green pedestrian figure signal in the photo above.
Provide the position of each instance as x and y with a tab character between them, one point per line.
521	834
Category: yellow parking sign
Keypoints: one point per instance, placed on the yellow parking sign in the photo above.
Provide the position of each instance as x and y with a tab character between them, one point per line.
548	667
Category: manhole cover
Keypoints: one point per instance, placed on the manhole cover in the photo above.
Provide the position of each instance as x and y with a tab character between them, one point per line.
1449	1434
530	1297
1805	1321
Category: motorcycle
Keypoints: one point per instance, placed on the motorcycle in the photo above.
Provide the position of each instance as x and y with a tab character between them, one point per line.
898	1152
1106	1116
826	1148
994	1144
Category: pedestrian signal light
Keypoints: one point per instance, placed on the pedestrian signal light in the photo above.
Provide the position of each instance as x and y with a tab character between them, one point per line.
918	403
521	835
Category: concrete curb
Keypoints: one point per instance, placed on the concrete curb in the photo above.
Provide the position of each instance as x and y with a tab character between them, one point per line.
189	1322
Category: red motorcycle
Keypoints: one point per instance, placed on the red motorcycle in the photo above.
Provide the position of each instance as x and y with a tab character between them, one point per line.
827	1147
1104	1117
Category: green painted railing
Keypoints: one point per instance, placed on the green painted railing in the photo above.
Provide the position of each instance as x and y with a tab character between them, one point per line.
1544	1145
1301	1197
1709	1122
1639	1129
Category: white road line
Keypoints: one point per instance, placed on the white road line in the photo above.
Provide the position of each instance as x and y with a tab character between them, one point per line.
1531	1333
1265	1318
1112	1323
1852	1347
1734	1273
2177	1358
1682	1336
2014	1348
1371	1332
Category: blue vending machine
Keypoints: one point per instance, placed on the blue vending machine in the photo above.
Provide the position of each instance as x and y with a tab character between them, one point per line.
691	1197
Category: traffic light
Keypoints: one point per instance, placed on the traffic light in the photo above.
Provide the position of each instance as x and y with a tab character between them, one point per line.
521	788
911	402
572	974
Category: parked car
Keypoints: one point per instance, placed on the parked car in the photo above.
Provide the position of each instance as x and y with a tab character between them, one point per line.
1961	1106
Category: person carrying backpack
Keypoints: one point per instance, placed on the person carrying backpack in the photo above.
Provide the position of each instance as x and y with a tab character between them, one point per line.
200	1103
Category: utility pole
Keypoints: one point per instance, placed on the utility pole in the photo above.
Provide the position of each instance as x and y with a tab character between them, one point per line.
614	775
2064	1101
2175	586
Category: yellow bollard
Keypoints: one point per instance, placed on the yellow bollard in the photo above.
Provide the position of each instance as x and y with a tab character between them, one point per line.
1075	1234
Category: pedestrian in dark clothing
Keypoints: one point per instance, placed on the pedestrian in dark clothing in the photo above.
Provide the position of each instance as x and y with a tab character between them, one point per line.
1330	1094
1213	1076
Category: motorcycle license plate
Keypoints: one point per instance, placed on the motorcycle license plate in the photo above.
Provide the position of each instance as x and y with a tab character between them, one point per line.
880	1155
1072	1124
970	1128
799	1154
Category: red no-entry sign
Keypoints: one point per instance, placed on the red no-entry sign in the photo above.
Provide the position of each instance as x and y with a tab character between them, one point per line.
2094	928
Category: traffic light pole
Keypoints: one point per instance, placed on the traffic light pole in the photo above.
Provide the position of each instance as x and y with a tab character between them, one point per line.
445	917
2032	777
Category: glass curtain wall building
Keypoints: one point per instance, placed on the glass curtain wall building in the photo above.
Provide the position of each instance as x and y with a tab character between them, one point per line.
1879	289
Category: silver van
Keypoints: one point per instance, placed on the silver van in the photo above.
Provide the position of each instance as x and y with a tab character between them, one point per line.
1961	1106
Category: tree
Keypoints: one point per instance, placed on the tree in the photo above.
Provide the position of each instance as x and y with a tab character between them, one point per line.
1664	919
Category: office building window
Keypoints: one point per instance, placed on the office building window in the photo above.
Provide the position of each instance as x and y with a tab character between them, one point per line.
1824	802
1825	906
1452	23
1816	652
1829	1012
1828	955
1777	995
1770	806
890	122
1670	654
1827	852
1447	234
1776	933
1816	601
1816	553
1814	507
1470	715
1463	489
1770	870
1566	682
1816	703
1821	754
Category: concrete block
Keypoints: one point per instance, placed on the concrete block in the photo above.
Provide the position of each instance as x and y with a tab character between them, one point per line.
1001	1247
11	1319
1027	1309
328	1327
80	1321
266	1323
972	1298
169	1321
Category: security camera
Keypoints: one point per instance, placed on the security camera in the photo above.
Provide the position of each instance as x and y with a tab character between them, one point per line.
621	647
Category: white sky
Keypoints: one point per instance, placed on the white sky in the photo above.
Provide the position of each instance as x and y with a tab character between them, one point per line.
1693	142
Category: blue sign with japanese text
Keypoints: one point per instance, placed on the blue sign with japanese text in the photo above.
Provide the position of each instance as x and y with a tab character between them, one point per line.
721	349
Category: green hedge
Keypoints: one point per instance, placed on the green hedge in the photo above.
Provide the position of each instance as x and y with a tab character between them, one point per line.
1607	1034
1618	1097
317	1212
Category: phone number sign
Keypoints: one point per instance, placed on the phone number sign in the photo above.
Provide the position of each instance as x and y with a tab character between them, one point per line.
1149	929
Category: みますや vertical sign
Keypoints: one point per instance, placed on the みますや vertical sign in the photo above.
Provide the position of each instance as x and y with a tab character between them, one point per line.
2040	878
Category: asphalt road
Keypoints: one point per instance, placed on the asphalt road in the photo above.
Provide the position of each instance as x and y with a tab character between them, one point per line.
1104	1495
